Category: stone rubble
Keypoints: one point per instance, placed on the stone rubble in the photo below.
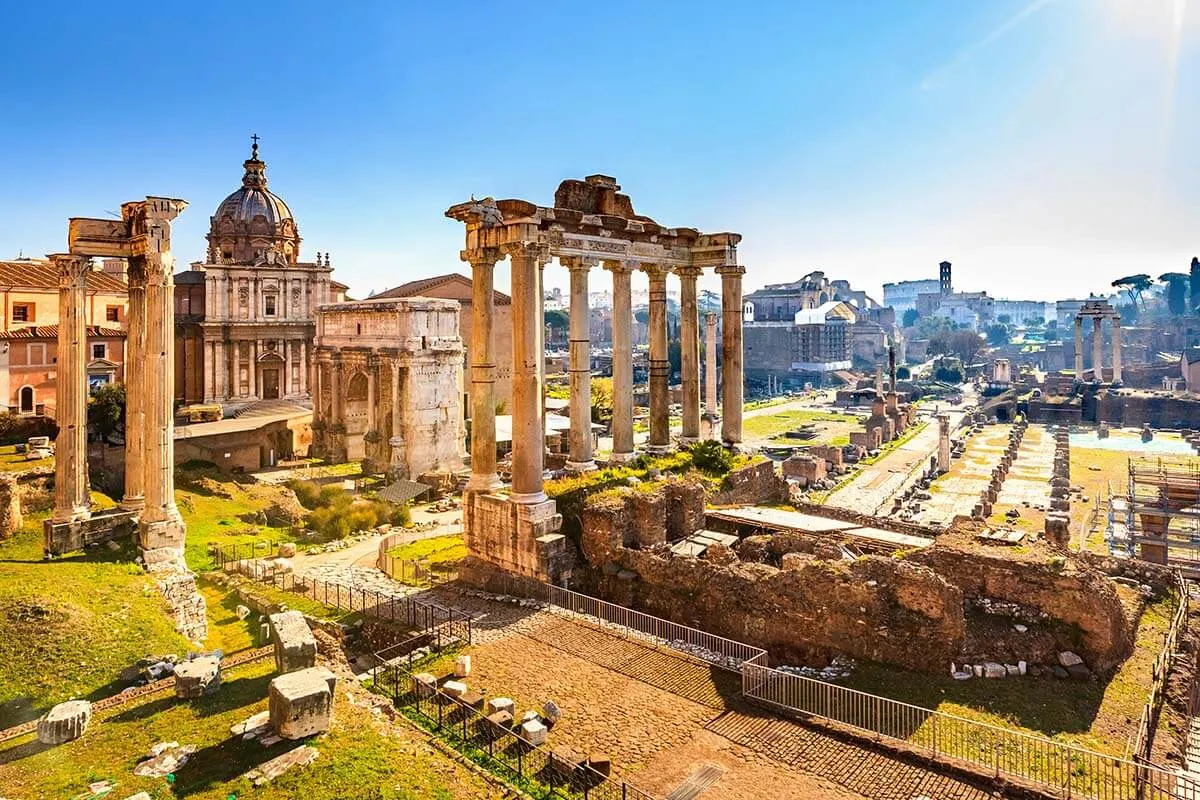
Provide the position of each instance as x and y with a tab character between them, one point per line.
65	722
164	759
300	756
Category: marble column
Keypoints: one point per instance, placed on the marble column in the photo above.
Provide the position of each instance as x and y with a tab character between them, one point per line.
1079	348
1098	348
399	466
253	367
335	384
622	362
483	370
303	366
72	498
541	347
580	456
1116	348
135	390
528	444
731	346
161	529
689	352
710	365
660	366
372	395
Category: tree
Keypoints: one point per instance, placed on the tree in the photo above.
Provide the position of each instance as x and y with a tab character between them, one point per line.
1134	285
642	315
1177	291
998	334
910	318
557	321
106	413
965	345
1194	281
602	400
928	327
1004	319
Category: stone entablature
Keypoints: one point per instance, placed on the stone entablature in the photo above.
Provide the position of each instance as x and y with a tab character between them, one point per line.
389	385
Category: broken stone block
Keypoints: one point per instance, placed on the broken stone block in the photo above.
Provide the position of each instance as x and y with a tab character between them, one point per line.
242	612
65	722
993	670
472	699
301	702
502	720
454	689
287	550
1022	667
534	732
165	758
978	670
295	646
500	704
252	726
424	684
298	757
601	763
551	712
1068	659
1013	670
198	677
462	667
565	761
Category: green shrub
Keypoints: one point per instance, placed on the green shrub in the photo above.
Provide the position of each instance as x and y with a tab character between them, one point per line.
402	515
332	495
711	457
307	492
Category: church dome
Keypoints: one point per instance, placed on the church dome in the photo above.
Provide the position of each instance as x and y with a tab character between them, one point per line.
253	223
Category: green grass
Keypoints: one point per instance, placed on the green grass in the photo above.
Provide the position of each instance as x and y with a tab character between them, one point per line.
68	626
768	426
1099	716
218	510
354	758
438	550
12	461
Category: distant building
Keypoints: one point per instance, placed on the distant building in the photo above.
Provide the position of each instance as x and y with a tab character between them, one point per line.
905	295
973	310
1189	364
29	333
808	348
1022	312
781	301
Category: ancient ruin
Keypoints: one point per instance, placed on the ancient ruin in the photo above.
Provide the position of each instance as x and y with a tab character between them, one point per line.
388	387
590	223
143	237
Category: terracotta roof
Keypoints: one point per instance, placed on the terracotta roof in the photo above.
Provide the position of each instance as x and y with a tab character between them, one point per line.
337	285
419	287
51	332
41	274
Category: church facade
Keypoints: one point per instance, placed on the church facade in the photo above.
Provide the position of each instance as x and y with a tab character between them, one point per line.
245	317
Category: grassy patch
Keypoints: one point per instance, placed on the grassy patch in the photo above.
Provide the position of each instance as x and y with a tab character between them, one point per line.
768	426
354	758
438	550
219	510
12	461
68	626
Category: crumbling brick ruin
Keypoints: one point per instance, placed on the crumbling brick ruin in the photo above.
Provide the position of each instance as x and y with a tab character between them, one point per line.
799	596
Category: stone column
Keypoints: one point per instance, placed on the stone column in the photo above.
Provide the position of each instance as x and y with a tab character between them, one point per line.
1098	348
135	391
1116	348
731	346
1079	348
660	367
372	394
710	364
943	459
399	467
335	383
622	362
253	367
483	370
161	530
580	457
528	444
541	347
689	352
303	367
72	499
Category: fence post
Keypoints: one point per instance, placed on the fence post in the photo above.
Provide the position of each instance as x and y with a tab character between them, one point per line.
520	774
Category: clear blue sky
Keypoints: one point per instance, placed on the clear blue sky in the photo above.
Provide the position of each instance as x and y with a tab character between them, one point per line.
1044	147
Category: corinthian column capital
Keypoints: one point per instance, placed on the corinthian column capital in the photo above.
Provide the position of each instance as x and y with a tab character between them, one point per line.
481	257
72	269
573	263
540	253
619	267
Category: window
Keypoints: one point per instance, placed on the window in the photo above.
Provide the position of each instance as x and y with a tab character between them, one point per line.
112	314
100	350
270	305
22	312
37	353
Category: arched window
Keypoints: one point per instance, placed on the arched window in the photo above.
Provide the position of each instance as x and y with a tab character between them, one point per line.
25	401
357	390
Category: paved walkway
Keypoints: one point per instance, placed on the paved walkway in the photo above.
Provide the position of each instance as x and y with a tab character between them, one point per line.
872	490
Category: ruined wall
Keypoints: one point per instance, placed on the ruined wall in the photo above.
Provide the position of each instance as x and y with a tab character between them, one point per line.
10	505
876	608
1160	411
1064	587
752	484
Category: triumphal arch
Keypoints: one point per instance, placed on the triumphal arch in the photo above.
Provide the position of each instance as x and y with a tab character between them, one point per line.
591	224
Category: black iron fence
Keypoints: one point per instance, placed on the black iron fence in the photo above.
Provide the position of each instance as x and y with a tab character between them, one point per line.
537	769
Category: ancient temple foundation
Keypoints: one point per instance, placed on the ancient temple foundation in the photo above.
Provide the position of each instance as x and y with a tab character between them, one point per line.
143	238
590	224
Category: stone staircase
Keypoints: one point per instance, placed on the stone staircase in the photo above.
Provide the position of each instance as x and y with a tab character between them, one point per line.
268	408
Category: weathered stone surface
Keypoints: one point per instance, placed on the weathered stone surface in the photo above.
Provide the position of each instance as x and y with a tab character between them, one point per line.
1069	659
10	505
295	646
424	684
198	677
300	756
534	732
301	703
454	689
164	759
500	704
65	722
462	666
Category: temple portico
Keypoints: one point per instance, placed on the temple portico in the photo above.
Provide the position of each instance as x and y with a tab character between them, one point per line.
1098	311
590	224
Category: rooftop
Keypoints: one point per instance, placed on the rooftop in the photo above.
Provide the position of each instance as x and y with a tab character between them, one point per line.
445	283
38	273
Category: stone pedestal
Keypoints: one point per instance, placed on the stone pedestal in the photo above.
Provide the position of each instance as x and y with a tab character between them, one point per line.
301	703
65	722
198	677
295	645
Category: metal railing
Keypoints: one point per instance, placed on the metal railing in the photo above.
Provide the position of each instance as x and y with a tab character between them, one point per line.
418	614
725	653
1142	741
547	773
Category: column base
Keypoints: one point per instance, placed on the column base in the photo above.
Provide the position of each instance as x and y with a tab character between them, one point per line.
136	503
658	449
689	440
66	516
484	482
528	498
580	466
166	534
621	458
